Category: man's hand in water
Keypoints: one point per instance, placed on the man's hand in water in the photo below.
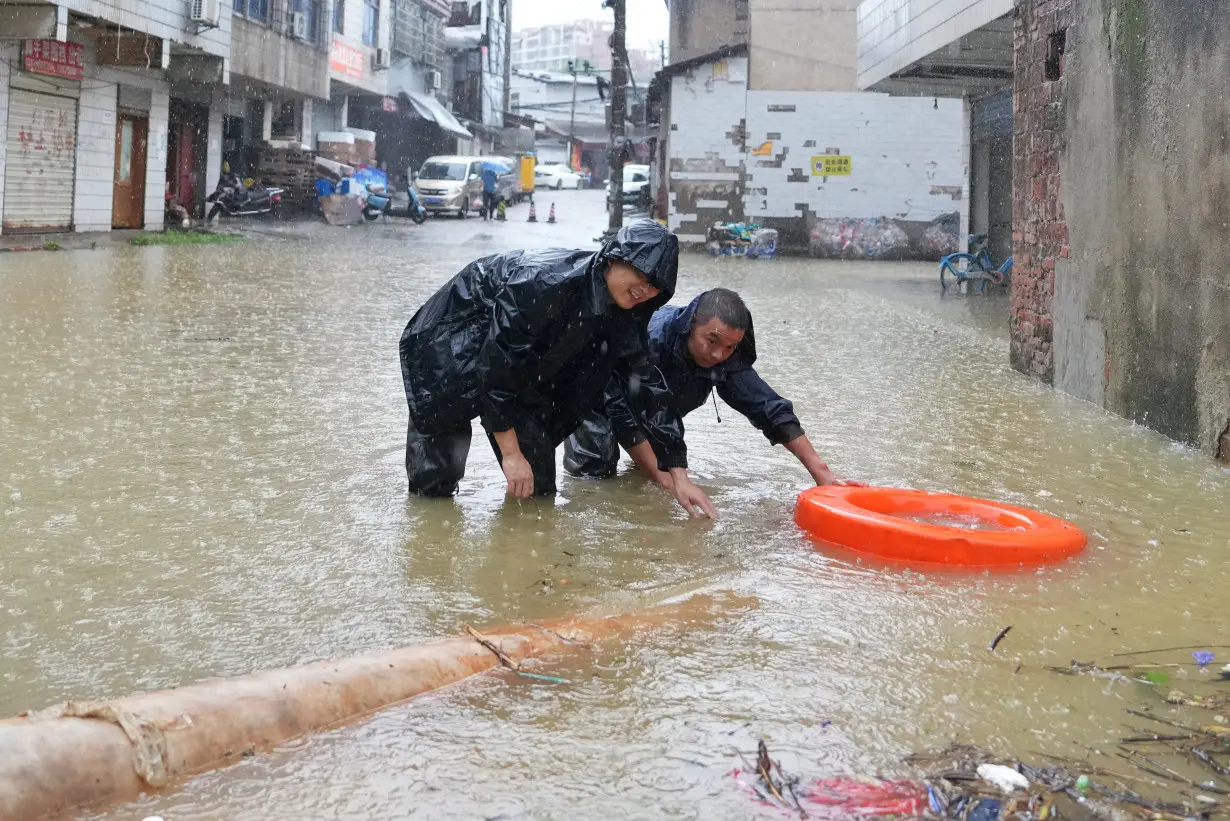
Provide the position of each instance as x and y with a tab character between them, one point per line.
690	497
828	477
516	469
520	476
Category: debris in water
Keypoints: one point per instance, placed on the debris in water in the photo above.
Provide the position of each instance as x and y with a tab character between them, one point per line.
1005	778
998	638
1203	657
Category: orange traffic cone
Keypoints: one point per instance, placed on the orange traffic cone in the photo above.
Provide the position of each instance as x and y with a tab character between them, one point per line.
533	216
551	216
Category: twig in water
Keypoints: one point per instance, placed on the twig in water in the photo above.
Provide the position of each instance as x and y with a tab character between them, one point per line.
1145	739
998	638
1210	762
507	662
1161	720
1168	649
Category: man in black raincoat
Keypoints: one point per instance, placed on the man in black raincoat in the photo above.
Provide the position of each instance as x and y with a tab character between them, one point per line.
706	346
526	341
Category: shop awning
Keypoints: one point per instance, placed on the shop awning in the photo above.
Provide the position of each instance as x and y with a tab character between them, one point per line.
430	109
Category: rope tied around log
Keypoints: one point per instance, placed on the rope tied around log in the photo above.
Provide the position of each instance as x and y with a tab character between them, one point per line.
150	759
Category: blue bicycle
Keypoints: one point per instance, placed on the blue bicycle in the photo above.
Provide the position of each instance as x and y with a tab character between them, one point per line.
975	266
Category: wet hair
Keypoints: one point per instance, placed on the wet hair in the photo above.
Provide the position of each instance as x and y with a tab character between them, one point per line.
725	306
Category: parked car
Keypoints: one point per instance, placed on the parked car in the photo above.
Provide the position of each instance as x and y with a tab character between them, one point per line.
450	183
636	186
557	176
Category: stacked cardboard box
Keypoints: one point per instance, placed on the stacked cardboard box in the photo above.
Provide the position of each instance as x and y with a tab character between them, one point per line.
338	146
364	145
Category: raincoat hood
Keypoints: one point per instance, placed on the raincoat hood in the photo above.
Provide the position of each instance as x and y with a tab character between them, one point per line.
651	249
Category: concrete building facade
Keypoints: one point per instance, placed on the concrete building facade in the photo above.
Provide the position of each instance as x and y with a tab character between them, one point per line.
1122	173
745	128
1118	176
553	48
109	108
85	99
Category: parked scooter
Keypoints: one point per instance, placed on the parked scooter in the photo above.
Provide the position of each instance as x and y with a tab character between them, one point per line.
414	207
380	202
233	198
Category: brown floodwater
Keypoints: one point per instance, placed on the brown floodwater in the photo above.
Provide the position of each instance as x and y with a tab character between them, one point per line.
201	475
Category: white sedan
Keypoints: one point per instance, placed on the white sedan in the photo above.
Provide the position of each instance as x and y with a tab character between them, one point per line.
556	176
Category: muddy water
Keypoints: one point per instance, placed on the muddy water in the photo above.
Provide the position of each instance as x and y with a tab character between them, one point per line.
201	475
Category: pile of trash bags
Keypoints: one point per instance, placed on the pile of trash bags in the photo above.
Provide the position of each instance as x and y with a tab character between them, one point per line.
883	238
738	239
858	239
966	783
942	236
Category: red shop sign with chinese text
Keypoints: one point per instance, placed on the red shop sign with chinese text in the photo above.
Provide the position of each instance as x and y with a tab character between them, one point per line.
53	57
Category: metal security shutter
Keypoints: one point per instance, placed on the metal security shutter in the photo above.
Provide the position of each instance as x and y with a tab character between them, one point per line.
42	151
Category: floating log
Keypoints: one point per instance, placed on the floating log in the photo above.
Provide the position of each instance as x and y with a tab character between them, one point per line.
93	754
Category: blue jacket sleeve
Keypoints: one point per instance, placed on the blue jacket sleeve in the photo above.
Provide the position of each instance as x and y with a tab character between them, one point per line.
771	414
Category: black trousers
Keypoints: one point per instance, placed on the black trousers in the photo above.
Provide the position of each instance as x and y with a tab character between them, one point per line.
490	200
436	463
592	451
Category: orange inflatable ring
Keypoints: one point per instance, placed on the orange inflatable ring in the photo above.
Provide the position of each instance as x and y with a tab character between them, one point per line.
902	525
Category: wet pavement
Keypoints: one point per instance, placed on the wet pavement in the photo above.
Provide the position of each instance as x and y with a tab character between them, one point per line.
202	476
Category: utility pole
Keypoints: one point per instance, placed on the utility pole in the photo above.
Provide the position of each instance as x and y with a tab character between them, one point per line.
619	106
572	120
662	51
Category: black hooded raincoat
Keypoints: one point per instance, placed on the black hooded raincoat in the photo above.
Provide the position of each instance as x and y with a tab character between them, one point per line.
528	340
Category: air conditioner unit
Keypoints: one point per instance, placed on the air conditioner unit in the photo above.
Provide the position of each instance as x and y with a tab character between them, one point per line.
380	60
204	11
434	80
299	25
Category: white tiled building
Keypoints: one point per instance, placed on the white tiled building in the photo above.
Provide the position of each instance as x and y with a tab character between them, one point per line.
107	107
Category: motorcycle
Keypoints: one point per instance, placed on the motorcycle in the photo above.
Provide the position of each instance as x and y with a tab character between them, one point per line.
380	201
233	198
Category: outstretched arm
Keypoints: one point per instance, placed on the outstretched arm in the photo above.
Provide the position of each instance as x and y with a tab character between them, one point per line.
821	472
774	416
642	453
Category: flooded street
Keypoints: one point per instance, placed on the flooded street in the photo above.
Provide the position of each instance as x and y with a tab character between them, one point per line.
201	474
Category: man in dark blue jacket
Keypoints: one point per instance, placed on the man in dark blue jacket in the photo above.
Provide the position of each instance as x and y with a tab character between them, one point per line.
706	346
526	342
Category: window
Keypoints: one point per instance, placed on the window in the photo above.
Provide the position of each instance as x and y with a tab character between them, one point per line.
339	16
1056	45
371	22
310	9
257	10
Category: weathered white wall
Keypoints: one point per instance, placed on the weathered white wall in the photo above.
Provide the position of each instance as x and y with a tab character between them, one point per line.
892	34
8	54
907	155
705	149
93	190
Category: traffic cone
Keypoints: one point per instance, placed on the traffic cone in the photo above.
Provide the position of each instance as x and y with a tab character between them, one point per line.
501	212
533	217
551	216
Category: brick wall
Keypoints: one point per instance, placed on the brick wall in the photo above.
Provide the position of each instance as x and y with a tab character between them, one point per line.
1040	230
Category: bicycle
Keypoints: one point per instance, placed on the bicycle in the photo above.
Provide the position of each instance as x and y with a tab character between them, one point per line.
974	266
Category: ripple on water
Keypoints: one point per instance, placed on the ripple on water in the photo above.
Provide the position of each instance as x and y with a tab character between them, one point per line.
193	509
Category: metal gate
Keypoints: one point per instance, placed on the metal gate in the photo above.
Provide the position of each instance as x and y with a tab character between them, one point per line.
42	151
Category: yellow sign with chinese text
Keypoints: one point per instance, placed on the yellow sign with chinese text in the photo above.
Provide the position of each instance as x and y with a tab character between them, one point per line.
830	165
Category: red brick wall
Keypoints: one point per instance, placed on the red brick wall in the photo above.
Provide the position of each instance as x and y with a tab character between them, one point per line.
1039	229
